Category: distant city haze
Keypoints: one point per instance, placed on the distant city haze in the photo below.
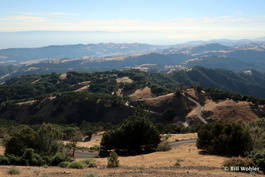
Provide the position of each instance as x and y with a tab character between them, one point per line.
31	23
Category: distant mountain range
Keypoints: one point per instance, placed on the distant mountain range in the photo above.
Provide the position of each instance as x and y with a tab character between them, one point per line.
237	56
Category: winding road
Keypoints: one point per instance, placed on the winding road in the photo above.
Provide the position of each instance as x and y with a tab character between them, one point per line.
199	109
87	155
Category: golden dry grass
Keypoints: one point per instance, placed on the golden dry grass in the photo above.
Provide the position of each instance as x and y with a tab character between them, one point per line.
174	137
229	110
157	164
82	89
124	80
142	93
2	150
27	102
156	101
188	153
63	76
226	110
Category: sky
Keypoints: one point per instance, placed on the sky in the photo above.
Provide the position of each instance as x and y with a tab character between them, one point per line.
32	23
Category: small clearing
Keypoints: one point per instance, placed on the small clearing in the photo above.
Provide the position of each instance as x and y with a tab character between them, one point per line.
27	102
142	93
82	89
124	80
63	76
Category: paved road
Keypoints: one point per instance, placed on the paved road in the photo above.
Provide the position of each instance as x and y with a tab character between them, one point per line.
87	155
199	109
178	143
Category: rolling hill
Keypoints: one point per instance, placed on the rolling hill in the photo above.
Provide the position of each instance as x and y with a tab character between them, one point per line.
112	96
109	56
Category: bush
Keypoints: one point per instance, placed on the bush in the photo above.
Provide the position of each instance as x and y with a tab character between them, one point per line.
13	171
64	164
31	158
113	160
14	160
90	174
94	148
177	164
4	160
224	139
164	146
259	158
44	175
77	165
89	162
58	158
238	162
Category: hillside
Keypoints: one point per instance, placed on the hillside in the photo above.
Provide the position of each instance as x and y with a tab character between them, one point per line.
113	96
247	83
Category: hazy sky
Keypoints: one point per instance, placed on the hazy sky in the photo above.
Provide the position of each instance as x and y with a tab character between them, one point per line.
149	21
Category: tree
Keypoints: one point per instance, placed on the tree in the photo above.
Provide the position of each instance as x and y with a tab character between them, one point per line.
169	114
74	137
30	147
113	160
197	86
23	139
135	133
47	140
224	139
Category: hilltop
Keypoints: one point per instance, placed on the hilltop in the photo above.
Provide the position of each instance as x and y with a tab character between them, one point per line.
114	95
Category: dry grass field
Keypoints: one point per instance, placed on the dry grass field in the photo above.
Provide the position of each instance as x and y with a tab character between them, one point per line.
158	164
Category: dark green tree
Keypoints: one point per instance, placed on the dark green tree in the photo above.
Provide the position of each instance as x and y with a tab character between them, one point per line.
224	139
23	139
197	86
47	140
135	133
169	114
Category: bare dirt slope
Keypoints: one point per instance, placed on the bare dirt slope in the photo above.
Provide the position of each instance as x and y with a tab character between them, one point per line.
142	93
226	110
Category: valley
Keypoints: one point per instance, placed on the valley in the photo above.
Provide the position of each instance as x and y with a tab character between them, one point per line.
179	94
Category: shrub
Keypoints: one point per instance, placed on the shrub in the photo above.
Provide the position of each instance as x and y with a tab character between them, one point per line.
259	158
4	160
164	146
94	148
64	164
13	171
177	164
77	165
89	162
31	158
44	175
238	162
113	160
58	158
14	160
90	174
